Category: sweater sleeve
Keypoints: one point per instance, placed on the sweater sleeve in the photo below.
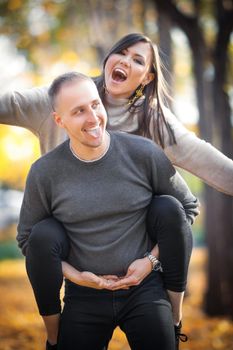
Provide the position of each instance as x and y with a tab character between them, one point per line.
28	108
35	207
199	157
166	180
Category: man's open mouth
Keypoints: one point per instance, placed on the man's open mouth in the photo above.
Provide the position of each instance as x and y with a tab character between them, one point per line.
119	75
95	132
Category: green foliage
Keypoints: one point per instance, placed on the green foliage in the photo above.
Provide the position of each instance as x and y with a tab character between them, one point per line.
194	183
9	250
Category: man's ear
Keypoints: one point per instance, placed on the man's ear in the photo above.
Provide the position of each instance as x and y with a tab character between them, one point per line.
149	77
58	120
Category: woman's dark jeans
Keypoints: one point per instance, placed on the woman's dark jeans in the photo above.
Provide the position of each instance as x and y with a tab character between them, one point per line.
48	245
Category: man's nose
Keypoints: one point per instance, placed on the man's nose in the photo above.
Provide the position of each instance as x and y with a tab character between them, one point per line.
92	116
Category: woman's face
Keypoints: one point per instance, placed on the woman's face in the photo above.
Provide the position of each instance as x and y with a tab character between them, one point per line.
126	70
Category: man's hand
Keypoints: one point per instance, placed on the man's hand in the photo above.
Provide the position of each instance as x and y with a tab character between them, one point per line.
86	278
89	279
136	273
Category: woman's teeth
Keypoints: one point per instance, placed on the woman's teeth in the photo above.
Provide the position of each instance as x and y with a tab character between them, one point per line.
119	75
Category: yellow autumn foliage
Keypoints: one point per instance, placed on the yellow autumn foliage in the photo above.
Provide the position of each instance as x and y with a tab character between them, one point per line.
14	4
18	150
21	327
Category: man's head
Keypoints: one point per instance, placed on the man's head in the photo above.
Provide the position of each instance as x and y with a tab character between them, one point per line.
78	109
64	79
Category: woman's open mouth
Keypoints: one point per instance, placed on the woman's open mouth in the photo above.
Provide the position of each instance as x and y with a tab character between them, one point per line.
119	75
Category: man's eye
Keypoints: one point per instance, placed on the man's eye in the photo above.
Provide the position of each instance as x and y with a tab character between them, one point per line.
77	112
95	105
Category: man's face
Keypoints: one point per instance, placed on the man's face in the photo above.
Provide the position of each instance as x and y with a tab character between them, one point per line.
79	110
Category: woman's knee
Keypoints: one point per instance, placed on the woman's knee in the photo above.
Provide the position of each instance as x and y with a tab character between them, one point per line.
48	235
166	208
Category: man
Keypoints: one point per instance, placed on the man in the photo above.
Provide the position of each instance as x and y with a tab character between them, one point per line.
99	185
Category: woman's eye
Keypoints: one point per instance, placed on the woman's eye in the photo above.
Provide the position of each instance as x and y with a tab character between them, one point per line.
139	61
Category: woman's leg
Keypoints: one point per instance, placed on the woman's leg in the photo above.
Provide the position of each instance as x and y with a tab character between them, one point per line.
167	225
47	246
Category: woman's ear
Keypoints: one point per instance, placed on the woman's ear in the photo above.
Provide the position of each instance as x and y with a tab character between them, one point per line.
149	77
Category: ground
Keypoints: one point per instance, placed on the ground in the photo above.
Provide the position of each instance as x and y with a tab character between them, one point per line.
21	327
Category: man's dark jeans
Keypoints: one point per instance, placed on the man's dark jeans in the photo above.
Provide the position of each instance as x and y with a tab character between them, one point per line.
143	312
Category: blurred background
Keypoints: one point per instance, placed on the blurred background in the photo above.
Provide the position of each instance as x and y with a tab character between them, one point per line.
40	39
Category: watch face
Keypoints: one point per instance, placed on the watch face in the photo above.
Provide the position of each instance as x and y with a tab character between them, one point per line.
158	266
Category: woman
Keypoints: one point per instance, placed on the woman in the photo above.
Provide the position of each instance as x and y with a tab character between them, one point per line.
131	87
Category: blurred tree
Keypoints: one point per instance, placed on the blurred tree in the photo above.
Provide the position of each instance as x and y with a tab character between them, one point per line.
208	26
104	18
57	25
49	31
18	149
29	23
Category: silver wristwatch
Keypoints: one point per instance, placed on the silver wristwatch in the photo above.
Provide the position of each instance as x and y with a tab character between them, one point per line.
156	264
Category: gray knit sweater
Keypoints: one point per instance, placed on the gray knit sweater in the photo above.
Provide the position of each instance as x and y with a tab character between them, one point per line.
102	204
31	109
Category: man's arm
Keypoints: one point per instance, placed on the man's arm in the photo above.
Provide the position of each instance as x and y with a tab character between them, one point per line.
35	207
88	279
166	180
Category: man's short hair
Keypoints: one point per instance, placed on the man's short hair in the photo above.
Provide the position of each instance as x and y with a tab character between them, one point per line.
63	79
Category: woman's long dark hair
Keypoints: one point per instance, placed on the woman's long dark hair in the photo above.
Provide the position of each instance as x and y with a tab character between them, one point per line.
155	91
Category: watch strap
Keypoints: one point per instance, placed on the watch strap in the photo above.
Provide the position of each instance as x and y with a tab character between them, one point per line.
156	264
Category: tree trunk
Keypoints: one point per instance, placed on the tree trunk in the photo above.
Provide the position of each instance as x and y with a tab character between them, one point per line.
220	233
104	27
214	111
165	46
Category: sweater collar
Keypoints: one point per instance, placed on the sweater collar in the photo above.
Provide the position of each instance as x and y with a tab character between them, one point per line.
120	102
